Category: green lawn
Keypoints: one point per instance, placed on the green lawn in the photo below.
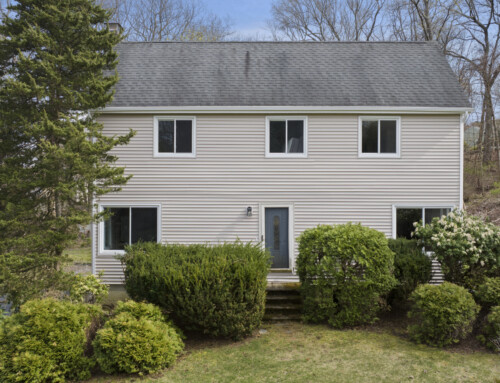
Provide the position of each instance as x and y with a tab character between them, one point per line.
80	254
304	353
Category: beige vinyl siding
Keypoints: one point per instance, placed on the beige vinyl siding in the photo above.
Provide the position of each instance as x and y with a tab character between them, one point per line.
205	198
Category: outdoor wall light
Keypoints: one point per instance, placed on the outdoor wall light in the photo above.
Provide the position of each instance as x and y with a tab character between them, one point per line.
249	211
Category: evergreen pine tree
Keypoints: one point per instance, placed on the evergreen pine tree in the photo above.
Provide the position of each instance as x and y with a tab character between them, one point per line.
57	67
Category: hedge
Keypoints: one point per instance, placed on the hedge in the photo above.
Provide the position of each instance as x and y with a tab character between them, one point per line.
215	289
488	293
345	271
412	267
442	314
490	333
47	342
136	340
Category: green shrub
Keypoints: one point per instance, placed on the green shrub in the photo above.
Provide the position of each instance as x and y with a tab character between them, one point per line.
442	314
488	293
140	310
491	331
136	340
344	270
219	290
411	267
467	248
87	289
46	342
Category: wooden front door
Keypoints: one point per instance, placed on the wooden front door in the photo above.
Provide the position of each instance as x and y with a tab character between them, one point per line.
276	231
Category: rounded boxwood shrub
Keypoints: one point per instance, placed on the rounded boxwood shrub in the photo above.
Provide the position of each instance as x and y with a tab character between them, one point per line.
490	334
411	268
488	293
136	340
344	271
46	342
218	290
442	314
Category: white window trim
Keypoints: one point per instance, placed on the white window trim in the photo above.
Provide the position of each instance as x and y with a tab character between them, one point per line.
291	239
157	153
379	155
268	136
131	205
416	206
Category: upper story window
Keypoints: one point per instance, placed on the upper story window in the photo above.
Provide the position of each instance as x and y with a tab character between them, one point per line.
379	136
175	137
128	225
286	137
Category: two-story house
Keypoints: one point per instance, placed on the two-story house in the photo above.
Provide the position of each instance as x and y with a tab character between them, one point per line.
261	140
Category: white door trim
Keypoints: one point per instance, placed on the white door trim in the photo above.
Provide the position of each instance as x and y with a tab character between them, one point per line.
262	228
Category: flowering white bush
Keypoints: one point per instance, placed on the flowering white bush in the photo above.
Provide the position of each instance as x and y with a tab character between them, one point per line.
467	247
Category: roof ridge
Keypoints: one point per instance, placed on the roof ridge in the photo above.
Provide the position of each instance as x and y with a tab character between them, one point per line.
281	42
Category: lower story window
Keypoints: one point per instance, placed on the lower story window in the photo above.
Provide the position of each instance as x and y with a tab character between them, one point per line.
407	216
128	225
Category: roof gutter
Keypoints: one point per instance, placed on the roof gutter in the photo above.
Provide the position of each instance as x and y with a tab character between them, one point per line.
282	109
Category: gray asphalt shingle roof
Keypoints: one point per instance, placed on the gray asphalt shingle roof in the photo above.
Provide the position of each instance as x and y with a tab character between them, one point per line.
285	74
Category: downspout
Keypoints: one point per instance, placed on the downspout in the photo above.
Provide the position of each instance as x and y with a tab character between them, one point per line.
93	241
92	225
463	117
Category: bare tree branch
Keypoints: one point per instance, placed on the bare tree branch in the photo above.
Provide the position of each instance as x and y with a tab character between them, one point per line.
327	20
480	22
168	20
423	20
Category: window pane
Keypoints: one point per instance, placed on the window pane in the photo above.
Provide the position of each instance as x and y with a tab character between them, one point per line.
144	224
370	137
295	136
404	221
165	136
388	136
434	213
277	136
184	136
116	229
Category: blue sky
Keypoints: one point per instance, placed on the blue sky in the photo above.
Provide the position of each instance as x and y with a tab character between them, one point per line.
248	16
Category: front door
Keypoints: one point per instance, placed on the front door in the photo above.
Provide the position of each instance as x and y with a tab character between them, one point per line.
276	230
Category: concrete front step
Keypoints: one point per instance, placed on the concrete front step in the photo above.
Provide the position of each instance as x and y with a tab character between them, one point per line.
283	303
282	286
278	299
282	317
284	306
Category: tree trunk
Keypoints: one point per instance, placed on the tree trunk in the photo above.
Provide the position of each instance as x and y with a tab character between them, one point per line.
497	129
488	125
496	139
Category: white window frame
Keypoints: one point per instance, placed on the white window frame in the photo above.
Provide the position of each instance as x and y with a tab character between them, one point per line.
268	136
416	206
378	119
130	206
157	153
291	239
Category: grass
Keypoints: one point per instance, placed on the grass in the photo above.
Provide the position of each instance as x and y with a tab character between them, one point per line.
304	353
80	254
